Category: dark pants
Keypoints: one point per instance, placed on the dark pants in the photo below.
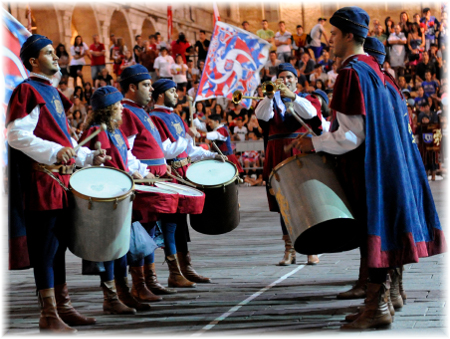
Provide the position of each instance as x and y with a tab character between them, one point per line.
114	268
175	232
283	226
47	247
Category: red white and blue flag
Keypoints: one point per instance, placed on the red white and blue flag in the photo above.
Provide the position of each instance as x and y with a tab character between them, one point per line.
12	72
235	58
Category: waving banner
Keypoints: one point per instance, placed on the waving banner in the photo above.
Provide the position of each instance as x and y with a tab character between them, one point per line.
12	72
235	58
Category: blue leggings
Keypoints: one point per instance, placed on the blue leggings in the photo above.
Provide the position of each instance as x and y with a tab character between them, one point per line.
46	247
168	227
114	268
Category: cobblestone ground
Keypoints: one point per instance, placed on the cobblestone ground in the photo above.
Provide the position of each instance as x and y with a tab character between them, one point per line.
249	294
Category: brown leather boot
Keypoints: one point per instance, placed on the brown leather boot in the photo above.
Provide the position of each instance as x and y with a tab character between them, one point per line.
184	259
395	296
313	260
376	311
111	303
139	290
400	285
359	290
66	311
176	278
50	320
289	252
151	280
124	294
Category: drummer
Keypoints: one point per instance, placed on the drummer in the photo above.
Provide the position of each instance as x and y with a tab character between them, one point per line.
41	160
220	135
386	186
146	145
178	147
280	129
107	109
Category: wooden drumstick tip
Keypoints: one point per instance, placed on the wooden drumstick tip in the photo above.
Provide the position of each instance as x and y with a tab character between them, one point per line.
98	145
103	126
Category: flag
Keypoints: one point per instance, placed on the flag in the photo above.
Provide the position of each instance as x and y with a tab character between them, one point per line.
169	23
216	13
235	58
13	72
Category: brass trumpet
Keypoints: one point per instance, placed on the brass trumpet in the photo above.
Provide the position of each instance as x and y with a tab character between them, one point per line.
269	88
238	96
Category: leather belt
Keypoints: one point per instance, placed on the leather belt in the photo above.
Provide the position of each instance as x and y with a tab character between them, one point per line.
179	163
61	169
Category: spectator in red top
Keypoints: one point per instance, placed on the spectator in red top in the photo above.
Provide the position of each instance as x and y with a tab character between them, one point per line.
98	56
180	46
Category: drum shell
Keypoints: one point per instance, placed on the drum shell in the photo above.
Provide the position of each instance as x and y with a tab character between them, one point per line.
100	228
147	205
188	204
221	211
313	205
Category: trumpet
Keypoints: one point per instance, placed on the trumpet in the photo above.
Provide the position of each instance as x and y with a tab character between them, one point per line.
238	96
269	88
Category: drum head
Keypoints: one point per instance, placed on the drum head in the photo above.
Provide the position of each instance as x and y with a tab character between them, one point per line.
180	189
101	182
145	188
211	172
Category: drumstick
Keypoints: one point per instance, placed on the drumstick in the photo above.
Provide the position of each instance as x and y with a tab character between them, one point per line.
102	128
287	148
98	146
168	184
300	120
152	180
182	180
217	148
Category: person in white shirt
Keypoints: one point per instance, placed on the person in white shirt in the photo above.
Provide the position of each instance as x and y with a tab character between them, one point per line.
240	131
283	41
332	75
316	35
271	66
78	51
163	64
178	70
397	54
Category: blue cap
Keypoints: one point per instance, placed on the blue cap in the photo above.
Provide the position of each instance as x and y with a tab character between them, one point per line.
133	75
352	19
375	48
161	86
322	94
286	67
104	97
31	47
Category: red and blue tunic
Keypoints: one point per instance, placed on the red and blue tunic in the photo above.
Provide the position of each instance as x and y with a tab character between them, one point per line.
225	147
147	145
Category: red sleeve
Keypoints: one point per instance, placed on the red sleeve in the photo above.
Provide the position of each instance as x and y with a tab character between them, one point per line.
317	105
161	126
128	126
23	100
347	94
223	131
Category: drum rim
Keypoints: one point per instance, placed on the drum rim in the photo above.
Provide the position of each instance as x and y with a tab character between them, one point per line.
236	175
288	160
87	197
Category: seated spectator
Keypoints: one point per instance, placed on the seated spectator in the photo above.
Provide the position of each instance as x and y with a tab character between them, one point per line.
421	98
271	66
193	91
254	177
250	159
65	89
106	77
240	131
299	41
306	65
78	92
430	87
88	91
200	110
192	74
218	109
178	70
201	66
245	26
387	68
283	41
63	61
254	128
163	64
293	61
183	101
160	43
318	74
127	61
403	84
397	53
238	112
424	65
426	112
332	75
325	61
78	106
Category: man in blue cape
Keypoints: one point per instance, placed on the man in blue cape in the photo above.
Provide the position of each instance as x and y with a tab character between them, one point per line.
394	207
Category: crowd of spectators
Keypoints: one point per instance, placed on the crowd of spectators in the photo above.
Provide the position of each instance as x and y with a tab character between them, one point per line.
415	58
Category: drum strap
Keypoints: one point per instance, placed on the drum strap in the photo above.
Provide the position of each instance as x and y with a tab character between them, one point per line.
179	162
43	168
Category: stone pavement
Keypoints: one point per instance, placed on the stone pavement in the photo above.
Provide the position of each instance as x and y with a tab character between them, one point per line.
249	295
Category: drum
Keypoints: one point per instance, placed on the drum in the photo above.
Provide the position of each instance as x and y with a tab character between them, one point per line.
100	213
190	200
151	201
219	182
313	205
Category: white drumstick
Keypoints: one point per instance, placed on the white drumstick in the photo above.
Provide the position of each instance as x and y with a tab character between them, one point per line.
102	128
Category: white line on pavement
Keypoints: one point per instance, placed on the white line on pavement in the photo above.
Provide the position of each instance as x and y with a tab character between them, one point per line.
245	302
